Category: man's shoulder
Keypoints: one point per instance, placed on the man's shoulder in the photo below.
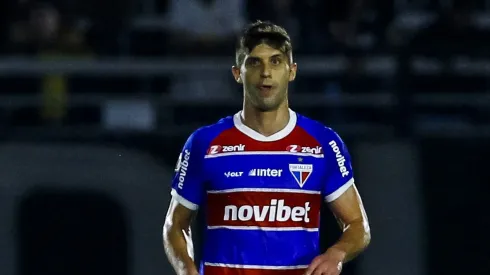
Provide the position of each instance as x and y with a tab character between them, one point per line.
316	128
206	133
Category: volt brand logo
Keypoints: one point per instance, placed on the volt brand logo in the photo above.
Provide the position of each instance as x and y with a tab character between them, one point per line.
216	149
276	211
340	158
183	166
265	172
304	149
233	174
301	172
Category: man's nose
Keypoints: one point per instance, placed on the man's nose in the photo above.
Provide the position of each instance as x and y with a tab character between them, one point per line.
266	71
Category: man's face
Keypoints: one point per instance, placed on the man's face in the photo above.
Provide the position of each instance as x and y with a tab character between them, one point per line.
265	74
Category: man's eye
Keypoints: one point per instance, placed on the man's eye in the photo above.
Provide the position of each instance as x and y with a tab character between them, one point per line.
253	62
275	61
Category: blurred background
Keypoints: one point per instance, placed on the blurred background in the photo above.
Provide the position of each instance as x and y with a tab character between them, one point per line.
97	98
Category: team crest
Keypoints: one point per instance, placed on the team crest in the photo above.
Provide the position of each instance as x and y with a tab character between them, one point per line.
301	172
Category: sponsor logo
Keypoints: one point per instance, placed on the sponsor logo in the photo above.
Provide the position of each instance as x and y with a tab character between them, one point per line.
304	149
265	172
340	158
183	165
179	160
216	149
276	211
233	174
301	172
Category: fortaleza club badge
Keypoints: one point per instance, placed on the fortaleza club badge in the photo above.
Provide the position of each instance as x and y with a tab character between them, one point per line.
301	172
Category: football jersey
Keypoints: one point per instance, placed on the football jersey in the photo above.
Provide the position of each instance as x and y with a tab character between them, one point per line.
261	195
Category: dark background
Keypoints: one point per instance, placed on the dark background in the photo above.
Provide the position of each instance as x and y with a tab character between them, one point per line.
98	97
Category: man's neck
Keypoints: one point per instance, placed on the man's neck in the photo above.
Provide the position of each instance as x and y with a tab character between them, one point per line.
266	123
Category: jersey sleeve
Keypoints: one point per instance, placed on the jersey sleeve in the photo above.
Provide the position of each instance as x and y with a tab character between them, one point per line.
188	181
339	172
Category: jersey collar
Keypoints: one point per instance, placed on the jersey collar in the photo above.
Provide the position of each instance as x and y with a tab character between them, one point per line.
237	120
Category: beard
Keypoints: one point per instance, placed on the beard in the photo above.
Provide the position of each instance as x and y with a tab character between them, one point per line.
266	104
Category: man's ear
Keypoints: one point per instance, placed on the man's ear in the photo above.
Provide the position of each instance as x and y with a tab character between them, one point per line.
292	71
236	74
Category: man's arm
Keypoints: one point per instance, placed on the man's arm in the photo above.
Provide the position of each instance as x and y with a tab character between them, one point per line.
177	239
352	218
356	235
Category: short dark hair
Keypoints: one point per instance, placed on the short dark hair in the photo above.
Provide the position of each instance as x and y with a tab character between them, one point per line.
263	32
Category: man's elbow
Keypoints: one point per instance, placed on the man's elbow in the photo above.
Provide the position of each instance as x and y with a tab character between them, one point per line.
366	239
360	228
175	230
168	231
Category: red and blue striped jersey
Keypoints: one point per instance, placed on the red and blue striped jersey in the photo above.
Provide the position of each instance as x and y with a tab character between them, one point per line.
261	195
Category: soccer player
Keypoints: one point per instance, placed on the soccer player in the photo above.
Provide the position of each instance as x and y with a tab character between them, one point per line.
260	176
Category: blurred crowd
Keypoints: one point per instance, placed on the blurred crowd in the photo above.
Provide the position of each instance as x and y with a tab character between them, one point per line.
356	29
163	27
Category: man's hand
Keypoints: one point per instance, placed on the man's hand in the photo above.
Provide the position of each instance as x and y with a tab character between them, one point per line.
329	263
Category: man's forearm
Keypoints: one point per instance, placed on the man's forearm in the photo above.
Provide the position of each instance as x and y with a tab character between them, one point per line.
179	250
354	240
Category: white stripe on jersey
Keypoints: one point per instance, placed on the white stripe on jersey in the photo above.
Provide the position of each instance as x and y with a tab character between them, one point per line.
264	153
188	204
266	190
270	267
341	190
233	227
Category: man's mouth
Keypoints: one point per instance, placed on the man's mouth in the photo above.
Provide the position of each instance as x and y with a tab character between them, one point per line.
265	88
